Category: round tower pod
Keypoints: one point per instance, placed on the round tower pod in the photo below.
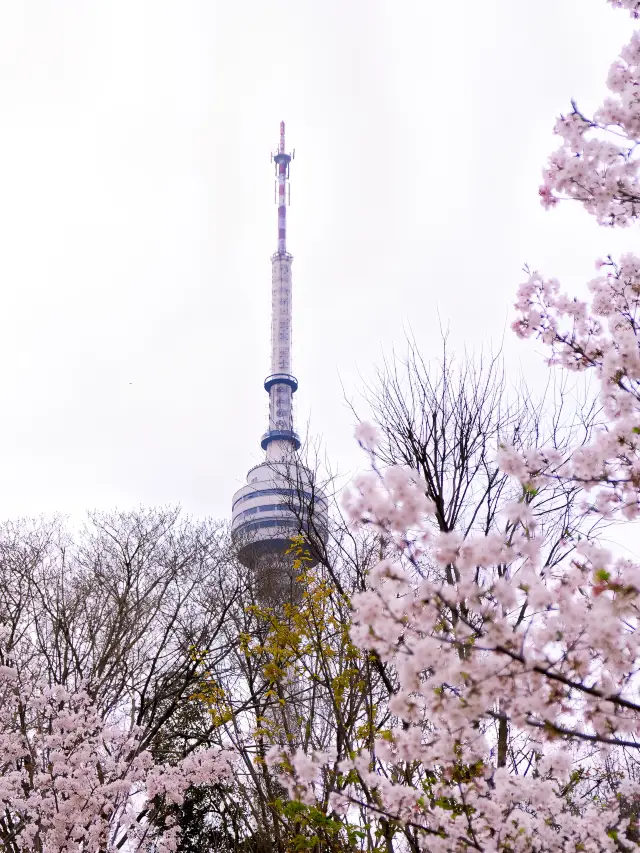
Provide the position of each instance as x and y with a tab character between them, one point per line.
278	503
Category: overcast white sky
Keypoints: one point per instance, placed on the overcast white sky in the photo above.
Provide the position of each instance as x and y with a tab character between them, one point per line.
137	218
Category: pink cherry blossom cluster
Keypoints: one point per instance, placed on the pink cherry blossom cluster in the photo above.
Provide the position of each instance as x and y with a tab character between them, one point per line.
599	335
300	772
632	5
555	655
597	163
500	812
71	781
393	501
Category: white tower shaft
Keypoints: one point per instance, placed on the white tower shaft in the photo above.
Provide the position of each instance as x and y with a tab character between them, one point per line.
281	314
280	393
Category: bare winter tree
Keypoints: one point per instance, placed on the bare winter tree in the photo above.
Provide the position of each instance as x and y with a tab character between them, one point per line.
446	419
119	608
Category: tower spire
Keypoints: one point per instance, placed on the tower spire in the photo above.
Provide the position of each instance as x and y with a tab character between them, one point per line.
280	438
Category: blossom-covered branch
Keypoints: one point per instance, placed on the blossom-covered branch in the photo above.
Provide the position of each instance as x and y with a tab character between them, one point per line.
71	781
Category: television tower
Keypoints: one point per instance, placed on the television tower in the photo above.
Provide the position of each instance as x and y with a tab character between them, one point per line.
280	499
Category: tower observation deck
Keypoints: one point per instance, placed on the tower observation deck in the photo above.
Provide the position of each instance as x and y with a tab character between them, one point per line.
280	499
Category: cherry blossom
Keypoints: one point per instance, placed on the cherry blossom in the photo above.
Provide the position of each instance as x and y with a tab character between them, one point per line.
599	335
632	5
597	163
72	781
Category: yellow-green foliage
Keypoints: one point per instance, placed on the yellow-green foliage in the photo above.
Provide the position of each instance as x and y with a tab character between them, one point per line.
208	691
